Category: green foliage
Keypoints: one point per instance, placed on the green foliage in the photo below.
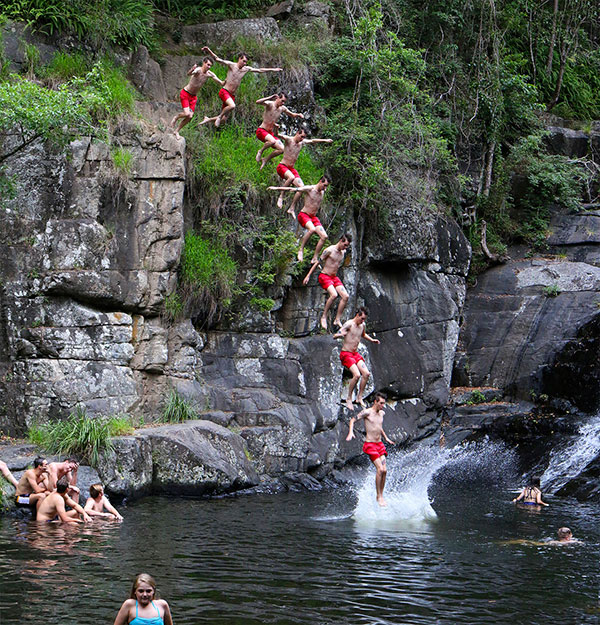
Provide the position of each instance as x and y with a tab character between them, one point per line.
194	11
173	306
79	435
262	304
64	66
126	23
177	409
122	160
275	249
477	397
552	290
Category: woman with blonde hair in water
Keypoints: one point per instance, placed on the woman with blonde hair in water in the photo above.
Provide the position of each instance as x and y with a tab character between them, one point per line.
142	608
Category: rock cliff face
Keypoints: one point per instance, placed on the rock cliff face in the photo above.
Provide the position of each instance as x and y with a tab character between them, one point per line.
89	256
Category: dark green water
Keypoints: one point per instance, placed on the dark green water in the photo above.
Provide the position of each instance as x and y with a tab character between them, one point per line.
300	558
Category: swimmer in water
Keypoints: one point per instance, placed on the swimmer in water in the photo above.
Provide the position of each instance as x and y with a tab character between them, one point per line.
142	608
531	495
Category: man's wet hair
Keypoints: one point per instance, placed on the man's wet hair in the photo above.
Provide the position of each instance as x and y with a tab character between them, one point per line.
362	309
38	462
379	395
242	55
62	485
208	58
563	532
95	490
282	94
346	236
71	459
325	179
302	129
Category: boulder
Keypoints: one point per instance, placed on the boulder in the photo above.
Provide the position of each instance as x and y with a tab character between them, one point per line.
146	75
219	33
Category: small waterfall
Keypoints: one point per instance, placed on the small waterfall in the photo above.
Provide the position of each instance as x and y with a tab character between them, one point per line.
568	462
411	474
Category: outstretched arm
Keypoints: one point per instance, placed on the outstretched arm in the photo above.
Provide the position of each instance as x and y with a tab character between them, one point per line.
263	70
287	111
111	509
79	509
216	78
192	69
266	99
207	50
306	141
7	474
309	274
370	338
361	415
343	330
521	495
306	187
538	499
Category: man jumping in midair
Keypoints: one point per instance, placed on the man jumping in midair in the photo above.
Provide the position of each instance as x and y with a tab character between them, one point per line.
189	94
352	332
274	107
373	446
285	169
332	258
307	217
235	73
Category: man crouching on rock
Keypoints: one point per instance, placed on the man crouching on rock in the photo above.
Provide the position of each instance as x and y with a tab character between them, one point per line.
53	508
373	446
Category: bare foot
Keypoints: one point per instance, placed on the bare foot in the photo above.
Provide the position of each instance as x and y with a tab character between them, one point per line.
382	502
218	122
172	124
314	261
324	323
204	121
300	255
290	211
359	400
349	404
336	322
263	162
258	157
279	202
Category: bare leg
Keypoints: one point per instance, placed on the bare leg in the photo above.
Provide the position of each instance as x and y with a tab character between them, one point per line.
7	474
355	376
207	120
365	374
276	152
297	195
343	300
270	142
222	116
310	228
332	296
287	181
381	467
323	237
186	118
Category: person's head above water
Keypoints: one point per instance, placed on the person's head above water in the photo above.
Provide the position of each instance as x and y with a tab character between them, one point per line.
535	481
564	534
144	582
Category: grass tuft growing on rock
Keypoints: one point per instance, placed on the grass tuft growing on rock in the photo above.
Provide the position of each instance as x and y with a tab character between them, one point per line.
177	409
79	435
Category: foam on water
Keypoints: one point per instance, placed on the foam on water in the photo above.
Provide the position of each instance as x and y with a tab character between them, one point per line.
408	479
568	462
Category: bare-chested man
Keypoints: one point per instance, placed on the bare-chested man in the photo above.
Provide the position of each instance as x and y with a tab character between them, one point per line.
8	476
274	107
332	259
307	217
32	487
53	507
189	94
285	169
235	73
373	446
352	332
98	502
67	468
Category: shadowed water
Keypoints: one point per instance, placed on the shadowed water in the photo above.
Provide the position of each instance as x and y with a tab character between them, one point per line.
329	557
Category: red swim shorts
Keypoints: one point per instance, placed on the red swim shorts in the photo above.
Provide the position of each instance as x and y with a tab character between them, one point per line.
325	280
281	169
350	358
225	95
188	100
304	218
375	450
262	134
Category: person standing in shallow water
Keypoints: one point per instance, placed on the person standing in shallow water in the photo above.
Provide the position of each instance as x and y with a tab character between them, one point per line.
142	608
373	446
531	495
